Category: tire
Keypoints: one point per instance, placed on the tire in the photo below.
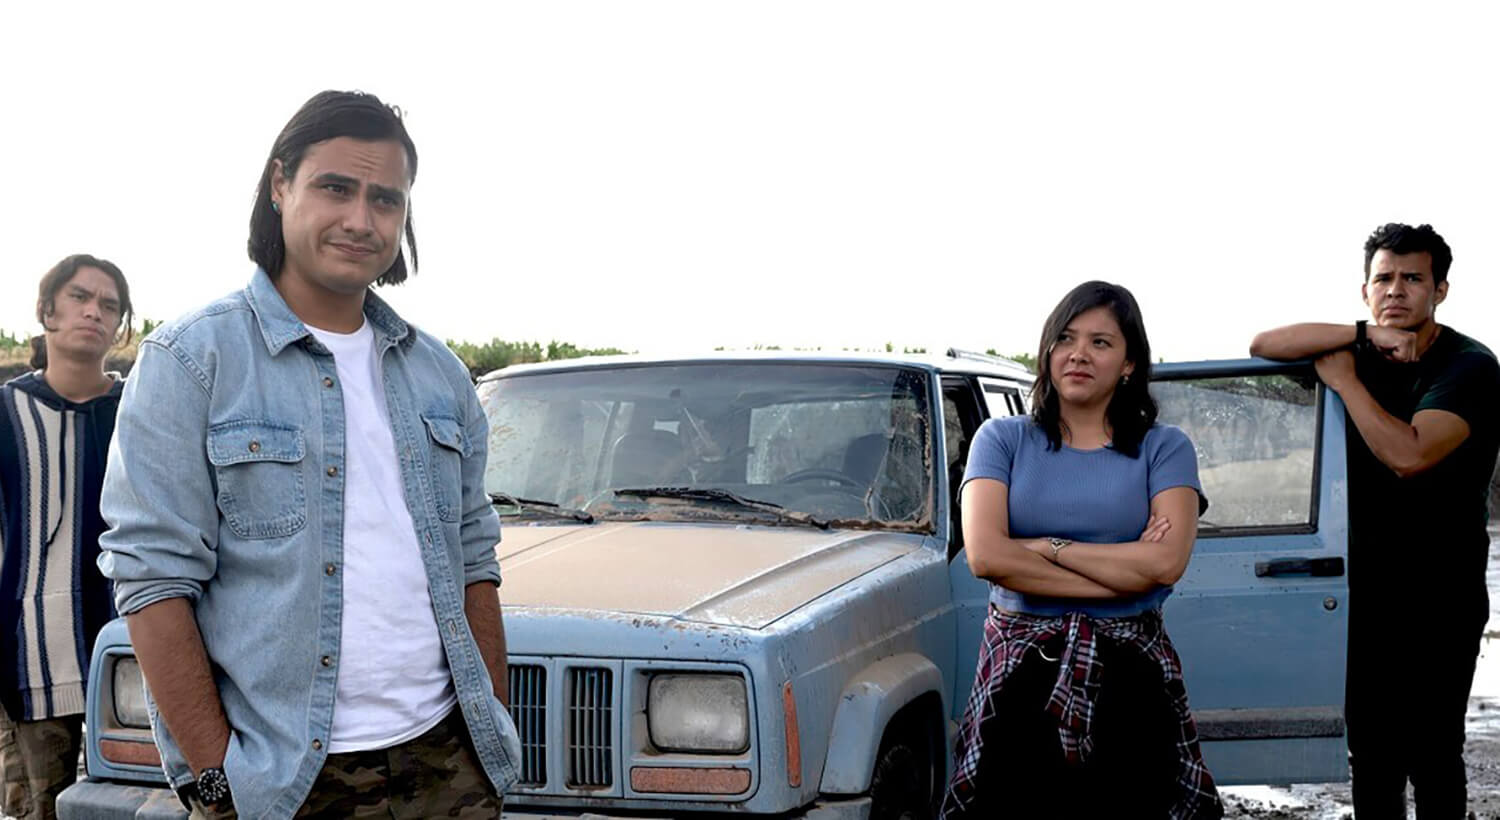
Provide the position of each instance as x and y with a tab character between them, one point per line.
902	785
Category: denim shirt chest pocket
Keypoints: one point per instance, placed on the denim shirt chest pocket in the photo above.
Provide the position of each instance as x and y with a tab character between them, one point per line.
445	460
258	465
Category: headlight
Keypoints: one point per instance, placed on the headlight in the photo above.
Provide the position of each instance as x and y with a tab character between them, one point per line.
698	713
130	695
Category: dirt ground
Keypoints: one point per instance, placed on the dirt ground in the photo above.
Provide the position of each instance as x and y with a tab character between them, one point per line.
1331	802
1481	752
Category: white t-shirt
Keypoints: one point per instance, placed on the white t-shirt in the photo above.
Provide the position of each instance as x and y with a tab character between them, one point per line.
393	678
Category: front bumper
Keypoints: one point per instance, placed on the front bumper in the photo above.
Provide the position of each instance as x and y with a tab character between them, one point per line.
91	799
854	809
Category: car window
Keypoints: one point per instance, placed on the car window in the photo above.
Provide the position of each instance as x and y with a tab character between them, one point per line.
1256	439
961	419
955	438
1001	399
834	441
541	446
786	438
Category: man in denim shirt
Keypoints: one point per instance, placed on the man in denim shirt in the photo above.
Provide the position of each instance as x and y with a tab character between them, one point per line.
301	540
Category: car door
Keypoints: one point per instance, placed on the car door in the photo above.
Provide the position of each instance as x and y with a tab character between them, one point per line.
967	402
1259	618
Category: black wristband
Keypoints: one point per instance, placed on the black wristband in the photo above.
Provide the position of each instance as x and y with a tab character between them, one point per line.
1361	336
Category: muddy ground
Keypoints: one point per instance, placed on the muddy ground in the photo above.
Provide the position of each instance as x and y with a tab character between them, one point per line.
1331	802
1482	752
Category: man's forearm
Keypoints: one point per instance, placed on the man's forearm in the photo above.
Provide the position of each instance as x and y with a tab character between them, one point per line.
1392	441
482	609
1301	341
175	665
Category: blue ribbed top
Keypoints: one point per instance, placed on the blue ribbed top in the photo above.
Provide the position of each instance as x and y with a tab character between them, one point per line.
1096	496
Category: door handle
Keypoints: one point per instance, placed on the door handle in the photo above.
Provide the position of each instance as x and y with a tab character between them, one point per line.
1311	567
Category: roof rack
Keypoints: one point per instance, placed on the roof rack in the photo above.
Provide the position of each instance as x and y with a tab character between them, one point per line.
955	353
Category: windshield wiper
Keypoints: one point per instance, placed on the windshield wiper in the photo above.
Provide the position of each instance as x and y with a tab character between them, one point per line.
543	507
718	496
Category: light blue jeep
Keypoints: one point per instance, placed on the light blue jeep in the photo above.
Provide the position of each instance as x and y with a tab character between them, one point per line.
737	583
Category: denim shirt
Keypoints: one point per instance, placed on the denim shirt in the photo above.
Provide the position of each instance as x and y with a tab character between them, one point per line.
225	486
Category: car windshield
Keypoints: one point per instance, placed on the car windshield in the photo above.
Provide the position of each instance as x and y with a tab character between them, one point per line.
841	444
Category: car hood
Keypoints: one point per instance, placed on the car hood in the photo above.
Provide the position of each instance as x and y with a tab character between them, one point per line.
725	574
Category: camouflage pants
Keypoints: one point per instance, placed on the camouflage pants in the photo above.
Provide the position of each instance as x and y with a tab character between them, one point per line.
436	775
38	758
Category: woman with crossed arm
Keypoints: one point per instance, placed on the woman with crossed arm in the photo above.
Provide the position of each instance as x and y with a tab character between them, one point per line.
1082	516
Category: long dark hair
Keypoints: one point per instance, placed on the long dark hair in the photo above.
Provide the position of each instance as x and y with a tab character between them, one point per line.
1131	410
328	115
61	274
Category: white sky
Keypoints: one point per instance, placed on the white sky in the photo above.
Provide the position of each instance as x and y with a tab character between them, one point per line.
676	176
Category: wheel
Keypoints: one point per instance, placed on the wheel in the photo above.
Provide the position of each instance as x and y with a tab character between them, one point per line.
821	475
901	787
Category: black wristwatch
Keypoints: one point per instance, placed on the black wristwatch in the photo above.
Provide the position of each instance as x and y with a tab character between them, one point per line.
212	787
1361	336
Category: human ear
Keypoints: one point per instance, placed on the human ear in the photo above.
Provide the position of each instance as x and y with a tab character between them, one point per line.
279	183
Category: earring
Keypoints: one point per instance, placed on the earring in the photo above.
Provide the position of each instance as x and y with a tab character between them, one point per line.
275	207
1125	379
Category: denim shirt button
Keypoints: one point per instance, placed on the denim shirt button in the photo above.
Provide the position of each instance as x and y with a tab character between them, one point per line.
330	569
254	446
327	382
326	661
317	744
333	471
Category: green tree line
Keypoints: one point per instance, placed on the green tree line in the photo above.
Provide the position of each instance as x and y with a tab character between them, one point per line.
498	353
1026	360
482	358
479	358
9	341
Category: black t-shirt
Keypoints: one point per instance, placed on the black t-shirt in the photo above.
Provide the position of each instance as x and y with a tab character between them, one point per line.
1423	538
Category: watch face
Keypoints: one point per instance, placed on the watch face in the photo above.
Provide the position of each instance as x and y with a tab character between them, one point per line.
213	786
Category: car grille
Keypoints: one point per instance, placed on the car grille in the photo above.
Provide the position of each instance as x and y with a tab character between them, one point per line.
528	708
590	728
572	715
587	734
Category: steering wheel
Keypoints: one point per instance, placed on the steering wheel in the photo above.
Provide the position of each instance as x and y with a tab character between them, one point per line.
816	474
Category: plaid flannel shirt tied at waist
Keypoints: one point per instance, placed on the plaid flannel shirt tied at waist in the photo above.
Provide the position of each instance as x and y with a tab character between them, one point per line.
1010	636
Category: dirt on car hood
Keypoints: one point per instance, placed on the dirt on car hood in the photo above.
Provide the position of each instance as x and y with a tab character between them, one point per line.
734	575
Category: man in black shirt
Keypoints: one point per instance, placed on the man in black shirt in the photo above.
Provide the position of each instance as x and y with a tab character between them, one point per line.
1422	400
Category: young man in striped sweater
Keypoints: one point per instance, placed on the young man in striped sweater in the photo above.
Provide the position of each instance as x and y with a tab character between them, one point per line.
55	427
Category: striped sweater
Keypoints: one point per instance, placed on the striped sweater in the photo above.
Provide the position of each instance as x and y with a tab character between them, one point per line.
53	599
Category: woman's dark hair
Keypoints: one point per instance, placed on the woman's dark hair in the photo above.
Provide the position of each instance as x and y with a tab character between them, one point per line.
328	115
52	283
1131	410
